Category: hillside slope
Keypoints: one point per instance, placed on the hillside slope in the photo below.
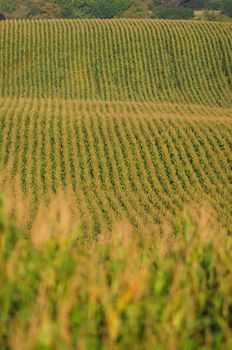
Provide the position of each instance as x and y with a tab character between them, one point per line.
183	62
128	118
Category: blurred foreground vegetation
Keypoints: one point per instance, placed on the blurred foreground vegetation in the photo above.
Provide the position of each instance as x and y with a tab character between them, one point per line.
169	289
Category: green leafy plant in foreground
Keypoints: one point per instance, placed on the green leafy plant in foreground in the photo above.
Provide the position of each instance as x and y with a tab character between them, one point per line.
171	289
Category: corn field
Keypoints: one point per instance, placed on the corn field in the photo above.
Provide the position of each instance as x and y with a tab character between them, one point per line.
174	62
129	119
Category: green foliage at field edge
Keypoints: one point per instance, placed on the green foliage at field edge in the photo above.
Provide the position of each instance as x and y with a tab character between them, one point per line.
105	8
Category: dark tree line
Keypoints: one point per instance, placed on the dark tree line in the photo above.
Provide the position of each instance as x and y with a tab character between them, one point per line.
106	8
